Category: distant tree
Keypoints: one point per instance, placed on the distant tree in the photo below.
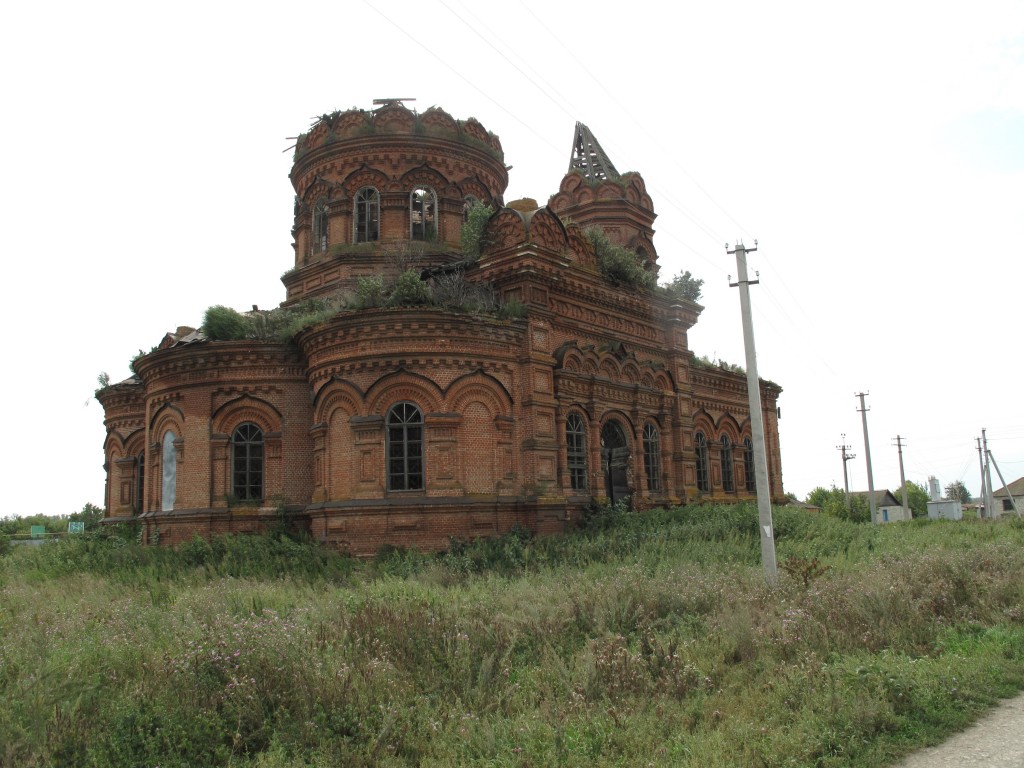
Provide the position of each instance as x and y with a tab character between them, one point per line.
917	498
833	502
819	496
90	515
957	491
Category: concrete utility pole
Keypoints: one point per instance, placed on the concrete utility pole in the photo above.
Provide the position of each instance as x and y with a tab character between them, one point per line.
990	503
1013	501
846	478
903	480
984	490
867	455
764	502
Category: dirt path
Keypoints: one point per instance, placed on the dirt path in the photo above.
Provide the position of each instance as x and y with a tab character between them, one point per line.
997	740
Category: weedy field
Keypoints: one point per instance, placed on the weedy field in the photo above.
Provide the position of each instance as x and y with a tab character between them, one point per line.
644	639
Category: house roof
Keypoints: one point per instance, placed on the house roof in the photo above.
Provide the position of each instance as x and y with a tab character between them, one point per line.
1016	489
883	498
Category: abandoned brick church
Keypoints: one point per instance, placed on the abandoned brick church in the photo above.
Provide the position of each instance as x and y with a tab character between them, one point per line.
448	370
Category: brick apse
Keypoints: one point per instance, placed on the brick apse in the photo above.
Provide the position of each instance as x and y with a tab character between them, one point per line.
409	425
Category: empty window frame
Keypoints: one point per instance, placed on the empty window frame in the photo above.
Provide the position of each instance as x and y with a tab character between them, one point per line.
405	448
701	443
367	215
728	482
169	472
652	457
320	212
423	214
247	462
576	451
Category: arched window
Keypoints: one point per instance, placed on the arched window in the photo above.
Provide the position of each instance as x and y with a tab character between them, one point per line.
169	467
576	450
423	214
367	218
320	227
748	466
468	202
140	481
247	462
701	443
728	483
405	448
652	457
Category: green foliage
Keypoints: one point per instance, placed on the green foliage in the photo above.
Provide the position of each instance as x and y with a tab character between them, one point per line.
619	265
103	380
706	362
683	286
136	357
370	292
917	498
513	309
471	236
409	290
90	514
833	502
451	290
957	491
222	323
307	313
647	634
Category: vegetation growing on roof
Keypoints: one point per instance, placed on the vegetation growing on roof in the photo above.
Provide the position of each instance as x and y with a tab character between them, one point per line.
471	236
222	323
619	265
683	286
707	363
369	128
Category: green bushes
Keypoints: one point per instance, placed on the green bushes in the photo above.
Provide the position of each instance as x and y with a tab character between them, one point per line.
471	236
620	265
222	323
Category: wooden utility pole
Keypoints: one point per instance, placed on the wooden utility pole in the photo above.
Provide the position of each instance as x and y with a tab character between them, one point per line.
764	501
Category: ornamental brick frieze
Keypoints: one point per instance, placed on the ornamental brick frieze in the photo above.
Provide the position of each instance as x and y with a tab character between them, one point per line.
604	320
718	407
596	292
364	373
418	344
125	426
269	393
395	157
593	388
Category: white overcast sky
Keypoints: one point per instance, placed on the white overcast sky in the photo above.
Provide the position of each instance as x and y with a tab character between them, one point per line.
875	150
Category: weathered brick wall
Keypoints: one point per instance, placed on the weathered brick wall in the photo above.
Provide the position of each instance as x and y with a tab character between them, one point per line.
493	394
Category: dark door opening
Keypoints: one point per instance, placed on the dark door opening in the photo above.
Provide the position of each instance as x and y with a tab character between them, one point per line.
615	461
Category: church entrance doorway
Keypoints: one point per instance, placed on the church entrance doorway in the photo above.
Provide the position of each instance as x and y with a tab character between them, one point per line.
615	461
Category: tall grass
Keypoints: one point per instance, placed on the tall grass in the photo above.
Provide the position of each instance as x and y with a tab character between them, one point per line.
644	639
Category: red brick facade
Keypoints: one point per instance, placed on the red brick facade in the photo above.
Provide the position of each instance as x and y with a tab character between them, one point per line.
412	425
